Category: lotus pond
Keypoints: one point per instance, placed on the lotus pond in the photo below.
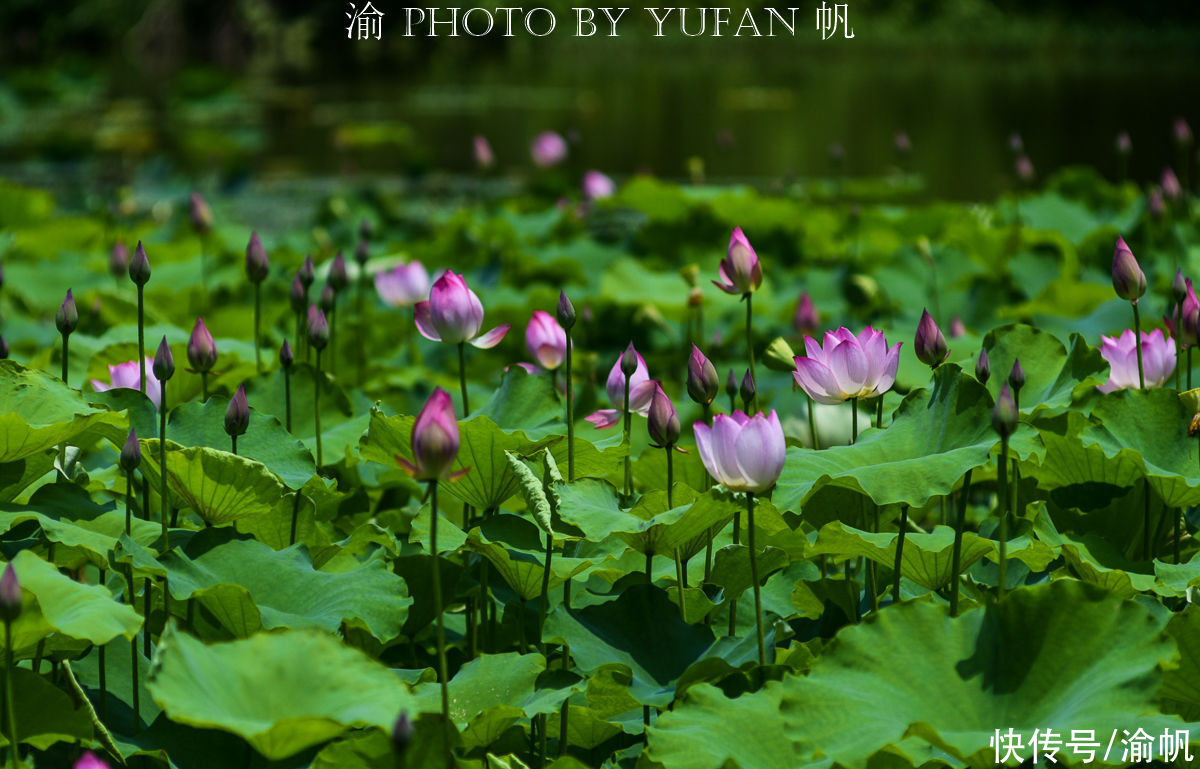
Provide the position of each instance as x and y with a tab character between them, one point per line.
831	476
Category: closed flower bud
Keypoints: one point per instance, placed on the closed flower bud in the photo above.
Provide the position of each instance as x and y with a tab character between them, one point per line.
695	297
807	320
318	328
1179	286
983	367
435	438
307	272
257	264
957	328
200	214
328	298
1016	376
1004	415
237	414
1170	185
702	381
1124	143
1182	132
118	260
285	355
298	296
402	733
546	340
365	229
691	275
747	389
629	360
201	349
1128	279
1156	204
362	252
10	595
164	362
663	419
337	273
67	318
131	452
930	344
731	384
565	312
139	266
90	760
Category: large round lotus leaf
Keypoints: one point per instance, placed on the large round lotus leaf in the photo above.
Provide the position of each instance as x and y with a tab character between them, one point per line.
1051	373
936	436
55	603
219	486
38	411
281	692
1061	656
1150	427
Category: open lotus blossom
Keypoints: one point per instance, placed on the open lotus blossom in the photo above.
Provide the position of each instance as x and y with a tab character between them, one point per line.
1190	317
127	375
1158	359
403	285
847	366
741	272
641	392
454	314
597	186
548	149
742	453
546	340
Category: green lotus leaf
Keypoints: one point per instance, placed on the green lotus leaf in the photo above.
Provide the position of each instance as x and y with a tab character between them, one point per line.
38	411
46	715
219	486
1051	371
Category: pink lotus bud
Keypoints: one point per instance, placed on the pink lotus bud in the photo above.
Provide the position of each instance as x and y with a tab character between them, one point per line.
663	419
200	214
237	414
1182	132
257	264
742	453
597	186
90	760
1024	167
67	319
548	149
630	360
903	145
435	438
164	362
641	390
1124	144
307	272
1015	143
847	366
118	260
731	385
318	328
201	350
1128	279
565	311
338	277
740	271
297	295
1179	286
983	367
1016	376
10	595
286	357
1156	203
484	157
703	381
957	328
1004	415
404	285
546	340
1170	185
930	345
328	299
747	389
131	452
454	314
807	320
1190	321
402	733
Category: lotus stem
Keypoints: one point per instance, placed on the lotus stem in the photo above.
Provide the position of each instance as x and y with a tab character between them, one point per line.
737	519
1147	551
812	422
570	385
626	442
257	327
956	562
649	567
233	445
462	377
879	412
899	554
750	347
141	339
317	408
295	516
871	566
758	615
1003	498
545	603
162	464
133	659
1137	335
360	309
1189	368
1178	333
437	603
287	397
203	386
66	342
853	420
9	666
147	601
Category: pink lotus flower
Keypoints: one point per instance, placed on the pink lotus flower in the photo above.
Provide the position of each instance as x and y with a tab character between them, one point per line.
454	315
434	440
90	760
484	157
1170	185
847	366
546	340
403	285
597	186
548	149
741	272
742	453
1190	317
128	375
1158	359
806	320
641	392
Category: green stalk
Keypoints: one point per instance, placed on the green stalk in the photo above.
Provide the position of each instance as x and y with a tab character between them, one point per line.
853	420
899	555
162	464
203	386
141	340
545	606
956	565
233	445
295	516
66	341
287	397
317	408
758	615
872	567
812	422
1137	335
1189	368
626	442
257	326
462	377
879	413
750	346
360	309
570	414
9	656
1146	537
733	603
1003	495
129	583
441	626
1178	333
